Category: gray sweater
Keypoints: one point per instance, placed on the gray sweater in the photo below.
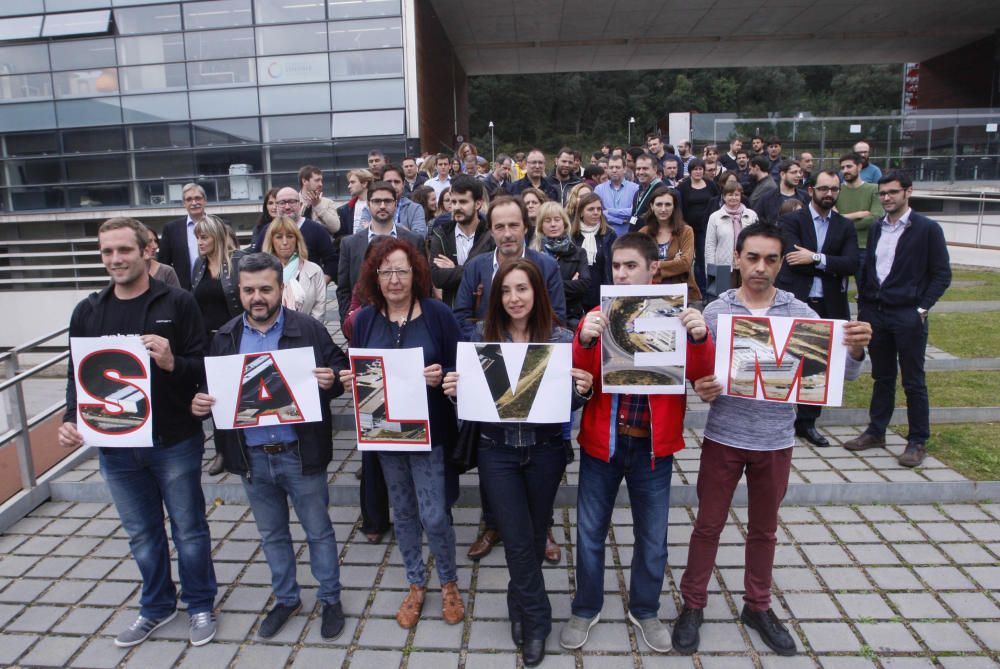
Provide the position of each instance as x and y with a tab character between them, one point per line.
752	424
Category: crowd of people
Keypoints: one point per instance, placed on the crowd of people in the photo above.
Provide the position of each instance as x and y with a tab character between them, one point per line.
442	249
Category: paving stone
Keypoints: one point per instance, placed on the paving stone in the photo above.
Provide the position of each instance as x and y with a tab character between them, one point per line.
437	634
311	658
865	606
967	553
83	621
726	662
888	637
24	590
495	661
76	546
796	579
945	636
375	659
38	545
920	554
234	626
944	578
383	633
100	653
153	654
830	637
110	594
894	578
842	662
51	567
967	662
964	512
13	646
923	513
822	554
65	592
944	532
899	662
721	637
917	606
214	654
36	619
988	633
15	565
987	577
971	605
812	606
855	534
92	568
259	656
53	651
844	578
246	598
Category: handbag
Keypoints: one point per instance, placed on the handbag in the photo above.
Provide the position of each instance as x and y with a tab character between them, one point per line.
464	453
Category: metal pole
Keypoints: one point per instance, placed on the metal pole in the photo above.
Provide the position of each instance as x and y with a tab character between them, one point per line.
25	461
493	148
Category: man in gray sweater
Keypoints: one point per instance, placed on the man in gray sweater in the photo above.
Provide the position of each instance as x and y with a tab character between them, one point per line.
755	437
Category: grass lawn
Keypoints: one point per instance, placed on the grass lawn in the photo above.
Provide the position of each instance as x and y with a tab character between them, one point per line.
971	449
946	389
971	335
990	290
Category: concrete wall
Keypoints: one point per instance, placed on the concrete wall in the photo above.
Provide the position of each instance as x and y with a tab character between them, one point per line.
30	314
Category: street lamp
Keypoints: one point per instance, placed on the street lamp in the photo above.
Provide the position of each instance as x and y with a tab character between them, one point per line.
631	120
493	148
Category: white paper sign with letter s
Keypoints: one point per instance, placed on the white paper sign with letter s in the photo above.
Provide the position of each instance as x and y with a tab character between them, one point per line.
113	392
390	399
514	383
261	389
781	359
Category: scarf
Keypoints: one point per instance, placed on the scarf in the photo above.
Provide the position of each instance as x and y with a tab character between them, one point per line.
590	240
736	217
293	294
558	246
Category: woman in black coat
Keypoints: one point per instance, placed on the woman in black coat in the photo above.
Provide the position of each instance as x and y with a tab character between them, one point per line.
552	237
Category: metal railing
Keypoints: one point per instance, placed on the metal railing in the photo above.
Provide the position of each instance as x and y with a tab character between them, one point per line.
980	222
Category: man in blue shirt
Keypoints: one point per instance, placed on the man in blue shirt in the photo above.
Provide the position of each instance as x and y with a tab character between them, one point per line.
616	195
869	173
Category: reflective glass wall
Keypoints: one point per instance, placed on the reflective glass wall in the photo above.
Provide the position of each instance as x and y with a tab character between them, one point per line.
107	103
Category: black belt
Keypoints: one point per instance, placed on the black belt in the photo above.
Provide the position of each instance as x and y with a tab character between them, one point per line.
274	449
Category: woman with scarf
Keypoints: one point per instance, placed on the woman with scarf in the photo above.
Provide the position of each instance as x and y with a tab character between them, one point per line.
304	286
674	239
552	237
723	228
592	232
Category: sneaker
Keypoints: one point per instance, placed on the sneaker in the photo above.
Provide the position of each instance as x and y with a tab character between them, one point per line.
685	636
771	631
202	628
333	621
576	631
140	630
914	454
654	633
276	619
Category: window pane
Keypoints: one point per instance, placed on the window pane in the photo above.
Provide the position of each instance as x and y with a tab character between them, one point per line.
220	73
35	172
150	49
27	58
219	104
352	9
148	78
79	23
32	144
228	131
30	116
83	54
217	14
22	27
85	83
220	44
291	128
366	64
22	7
162	135
277	40
217	161
293	69
26	199
290	157
70	5
26	87
292	99
152	108
93	140
99	195
156	164
155	19
364	124
349	153
97	168
372	34
286	11
377	94
96	111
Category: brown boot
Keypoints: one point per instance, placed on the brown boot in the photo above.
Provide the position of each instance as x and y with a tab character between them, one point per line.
482	546
409	611
452	608
553	553
864	442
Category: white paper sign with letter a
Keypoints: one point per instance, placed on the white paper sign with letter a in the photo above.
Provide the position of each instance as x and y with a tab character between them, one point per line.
390	399
514	383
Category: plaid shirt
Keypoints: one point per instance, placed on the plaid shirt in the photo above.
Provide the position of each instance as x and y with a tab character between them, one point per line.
633	410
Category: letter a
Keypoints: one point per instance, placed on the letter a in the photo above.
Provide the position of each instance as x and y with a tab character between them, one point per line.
264	392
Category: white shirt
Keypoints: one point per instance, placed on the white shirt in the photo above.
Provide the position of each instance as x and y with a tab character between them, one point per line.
820	224
372	234
496	263
463	244
192	245
438	185
885	251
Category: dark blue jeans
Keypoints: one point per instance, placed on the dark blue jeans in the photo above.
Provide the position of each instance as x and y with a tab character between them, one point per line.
649	498
521	485
142	481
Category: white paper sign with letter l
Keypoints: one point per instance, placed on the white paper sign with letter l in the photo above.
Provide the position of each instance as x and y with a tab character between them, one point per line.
390	399
113	407
262	389
781	359
514	383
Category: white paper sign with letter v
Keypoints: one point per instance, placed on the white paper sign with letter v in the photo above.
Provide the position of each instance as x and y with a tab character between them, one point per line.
514	383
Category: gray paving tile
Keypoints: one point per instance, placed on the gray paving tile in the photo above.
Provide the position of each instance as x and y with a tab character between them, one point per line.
812	606
967	553
967	662
888	637
433	634
944	578
382	633
945	637
842	662
24	590
987	577
988	633
920	554
258	656
100	653
154	654
83	621
844	578
894	578
214	654
974	605
375	659
422	660
311	658
721	637
830	637
36	619
493	636
496	660
111	594
13	646
53	651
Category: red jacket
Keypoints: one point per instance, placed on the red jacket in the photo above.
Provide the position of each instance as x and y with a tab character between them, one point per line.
598	429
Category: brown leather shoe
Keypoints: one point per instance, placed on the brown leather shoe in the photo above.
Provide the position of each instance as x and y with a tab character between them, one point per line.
452	608
409	611
553	552
914	454
483	544
864	442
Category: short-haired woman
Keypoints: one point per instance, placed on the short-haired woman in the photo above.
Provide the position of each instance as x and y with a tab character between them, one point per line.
305	287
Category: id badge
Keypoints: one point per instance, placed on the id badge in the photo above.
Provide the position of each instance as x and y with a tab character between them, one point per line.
632	221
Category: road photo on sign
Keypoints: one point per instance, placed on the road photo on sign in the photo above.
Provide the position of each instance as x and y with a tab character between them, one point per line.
390	411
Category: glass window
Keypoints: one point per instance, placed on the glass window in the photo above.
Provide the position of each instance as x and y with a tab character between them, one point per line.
26	87
148	78
293	99
95	111
286	11
125	3
349	153
217	161
228	131
83	54
277	40
293	128
78	23
93	140
32	144
27	58
217	14
28	116
377	94
99	195
220	73
21	27
370	34
223	103
26	199
159	164
35	171
97	168
70	5
152	108
290	157
364	124
22	7
293	69
160	136
352	9
153	19
220	44
85	83
150	49
366	64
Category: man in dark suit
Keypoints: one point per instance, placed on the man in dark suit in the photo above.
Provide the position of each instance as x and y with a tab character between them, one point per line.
317	238
821	254
382	200
178	246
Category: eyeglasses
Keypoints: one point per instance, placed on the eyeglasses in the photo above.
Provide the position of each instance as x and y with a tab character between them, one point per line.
387	274
194	198
890	193
378	202
826	189
287	203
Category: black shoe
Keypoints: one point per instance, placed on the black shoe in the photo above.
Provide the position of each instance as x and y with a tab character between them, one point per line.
771	631
533	652
517	633
685	638
812	435
216	467
276	619
333	621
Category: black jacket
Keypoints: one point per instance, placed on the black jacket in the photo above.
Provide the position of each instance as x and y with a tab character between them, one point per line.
572	262
562	188
174	250
315	439
230	278
441	241
172	314
548	187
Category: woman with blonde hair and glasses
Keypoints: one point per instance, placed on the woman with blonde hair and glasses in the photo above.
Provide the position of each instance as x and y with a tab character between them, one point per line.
592	232
304	285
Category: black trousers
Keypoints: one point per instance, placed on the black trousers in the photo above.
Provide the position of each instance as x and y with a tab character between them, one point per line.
807	414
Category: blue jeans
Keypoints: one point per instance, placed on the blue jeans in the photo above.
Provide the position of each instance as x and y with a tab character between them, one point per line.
416	483
649	498
275	478
521	484
142	481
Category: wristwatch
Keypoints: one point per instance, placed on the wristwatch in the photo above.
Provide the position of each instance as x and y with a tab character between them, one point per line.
817	257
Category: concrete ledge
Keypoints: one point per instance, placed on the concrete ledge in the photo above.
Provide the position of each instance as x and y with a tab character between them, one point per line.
26	501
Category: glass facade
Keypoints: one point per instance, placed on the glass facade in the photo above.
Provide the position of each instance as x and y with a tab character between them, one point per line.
118	103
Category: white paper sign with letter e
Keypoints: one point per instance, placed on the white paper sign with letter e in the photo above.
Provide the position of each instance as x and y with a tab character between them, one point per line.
390	399
113	407
644	346
262	389
781	359
514	383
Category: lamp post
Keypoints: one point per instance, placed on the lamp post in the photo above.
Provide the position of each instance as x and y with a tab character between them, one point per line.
493	148
631	120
